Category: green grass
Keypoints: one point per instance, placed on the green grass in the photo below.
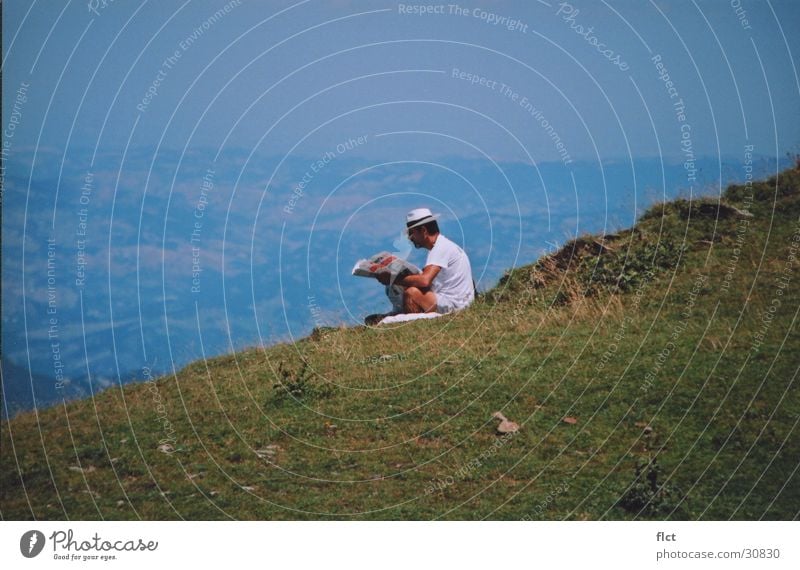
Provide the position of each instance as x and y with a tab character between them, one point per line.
650	338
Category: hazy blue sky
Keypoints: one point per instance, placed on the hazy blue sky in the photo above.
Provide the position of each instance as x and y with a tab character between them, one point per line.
280	77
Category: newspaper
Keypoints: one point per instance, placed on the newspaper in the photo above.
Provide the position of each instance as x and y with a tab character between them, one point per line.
384	262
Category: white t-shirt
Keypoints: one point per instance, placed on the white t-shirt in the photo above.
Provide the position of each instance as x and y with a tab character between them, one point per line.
453	284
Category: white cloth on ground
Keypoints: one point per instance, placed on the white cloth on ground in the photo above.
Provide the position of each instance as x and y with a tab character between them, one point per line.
404	317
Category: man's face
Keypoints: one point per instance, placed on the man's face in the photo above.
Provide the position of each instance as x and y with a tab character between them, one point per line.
416	236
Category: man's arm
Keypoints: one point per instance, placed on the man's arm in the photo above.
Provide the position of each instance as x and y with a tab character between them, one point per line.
421	280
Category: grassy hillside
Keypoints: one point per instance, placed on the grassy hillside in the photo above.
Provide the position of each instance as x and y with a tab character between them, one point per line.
653	373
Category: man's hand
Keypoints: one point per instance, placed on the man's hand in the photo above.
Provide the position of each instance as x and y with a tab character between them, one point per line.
422	280
384	278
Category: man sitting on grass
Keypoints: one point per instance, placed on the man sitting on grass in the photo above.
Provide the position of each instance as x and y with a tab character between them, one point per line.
445	284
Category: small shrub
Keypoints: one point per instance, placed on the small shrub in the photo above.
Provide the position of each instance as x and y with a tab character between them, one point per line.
622	272
91	453
647	495
299	385
561	298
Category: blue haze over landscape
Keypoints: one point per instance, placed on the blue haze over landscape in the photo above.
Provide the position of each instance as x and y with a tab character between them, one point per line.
183	180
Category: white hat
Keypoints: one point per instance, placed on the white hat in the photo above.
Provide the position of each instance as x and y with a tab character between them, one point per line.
419	217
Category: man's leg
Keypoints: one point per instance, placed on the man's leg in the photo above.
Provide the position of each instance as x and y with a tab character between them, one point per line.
417	301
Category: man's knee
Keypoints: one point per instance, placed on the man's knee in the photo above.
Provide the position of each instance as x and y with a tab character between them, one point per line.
410	298
418	301
413	292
